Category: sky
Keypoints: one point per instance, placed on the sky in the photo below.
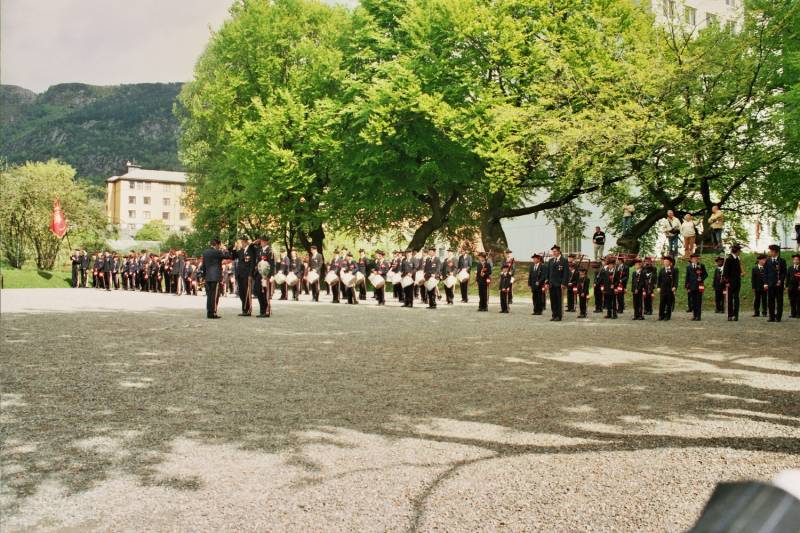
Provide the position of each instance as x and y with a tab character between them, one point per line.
105	42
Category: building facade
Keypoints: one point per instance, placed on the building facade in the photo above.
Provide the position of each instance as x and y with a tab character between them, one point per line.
698	14
140	196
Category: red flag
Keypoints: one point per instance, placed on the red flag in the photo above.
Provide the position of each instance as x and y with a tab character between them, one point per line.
59	224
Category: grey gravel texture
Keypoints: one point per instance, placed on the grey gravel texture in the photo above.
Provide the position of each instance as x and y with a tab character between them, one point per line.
132	412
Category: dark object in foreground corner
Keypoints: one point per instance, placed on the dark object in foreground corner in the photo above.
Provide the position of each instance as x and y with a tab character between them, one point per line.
749	507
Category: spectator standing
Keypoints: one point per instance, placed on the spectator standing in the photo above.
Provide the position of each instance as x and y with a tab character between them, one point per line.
627	218
671	229
716	222
689	232
599	241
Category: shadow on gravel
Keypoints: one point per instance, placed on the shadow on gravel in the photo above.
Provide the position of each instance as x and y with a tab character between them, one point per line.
85	396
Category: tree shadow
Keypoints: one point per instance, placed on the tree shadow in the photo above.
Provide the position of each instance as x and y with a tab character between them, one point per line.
130	384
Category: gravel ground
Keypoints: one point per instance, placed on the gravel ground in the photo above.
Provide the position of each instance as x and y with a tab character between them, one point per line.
142	415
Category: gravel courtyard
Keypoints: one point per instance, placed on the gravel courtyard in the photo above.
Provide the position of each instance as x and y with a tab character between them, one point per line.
131	411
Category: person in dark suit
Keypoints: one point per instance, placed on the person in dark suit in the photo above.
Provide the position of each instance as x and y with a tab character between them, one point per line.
608	279
108	267
583	292
536	279
262	285
776	282
363	268
408	269
381	268
296	267
449	268
621	280
667	284
335	267
247	258
464	263
793	286
719	286
177	273
483	276
510	262
758	281
650	277
732	273
572	285
212	273
638	289
315	263
505	287
75	258
432	268
84	266
558	271
598	292
695	285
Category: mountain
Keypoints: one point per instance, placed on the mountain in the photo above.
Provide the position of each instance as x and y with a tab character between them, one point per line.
95	129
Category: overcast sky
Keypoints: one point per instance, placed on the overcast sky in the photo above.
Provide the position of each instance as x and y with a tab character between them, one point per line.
105	42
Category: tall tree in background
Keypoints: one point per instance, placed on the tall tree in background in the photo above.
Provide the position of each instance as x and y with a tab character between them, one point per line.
259	121
724	98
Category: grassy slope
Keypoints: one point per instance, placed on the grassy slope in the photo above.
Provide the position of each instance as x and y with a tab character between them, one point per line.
31	277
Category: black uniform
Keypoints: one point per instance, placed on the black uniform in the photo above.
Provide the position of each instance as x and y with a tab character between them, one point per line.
536	279
583	294
212	272
719	290
449	268
483	277
621	286
315	263
464	263
793	284
557	276
695	284
650	279
408	269
296	266
84	268
758	278
776	282
432	268
363	267
335	267
76	267
598	291
505	290
511	265
246	261
108	268
381	268
572	288
263	286
667	283
639	288
732	280
608	277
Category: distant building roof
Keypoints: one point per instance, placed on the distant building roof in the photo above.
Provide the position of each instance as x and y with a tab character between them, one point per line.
139	173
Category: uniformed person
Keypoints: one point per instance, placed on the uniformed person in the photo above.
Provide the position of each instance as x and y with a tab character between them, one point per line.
505	287
381	268
650	279
639	289
598	290
572	283
449	268
536	279
363	268
793	286
732	274
556	280
608	282
75	258
335	266
758	281
511	263
408	269
483	277
432	268
108	267
262	284
622	285
296	267
464	263
719	286
315	264
667	285
695	284
212	272
84	266
246	257
776	282
583	292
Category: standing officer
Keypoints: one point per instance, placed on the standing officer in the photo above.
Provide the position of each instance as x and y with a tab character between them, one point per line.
212	271
76	267
667	285
108	268
510	262
84	267
719	286
381	268
408	269
247	257
583	292
608	280
758	280
363	268
622	285
464	263
335	267
296	267
650	277
556	279
776	281
262	284
572	284
432	268
793	284
695	284
536	278
449	268
483	277
315	263
732	273
638	289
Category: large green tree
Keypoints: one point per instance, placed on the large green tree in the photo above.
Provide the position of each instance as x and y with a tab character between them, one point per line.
259	120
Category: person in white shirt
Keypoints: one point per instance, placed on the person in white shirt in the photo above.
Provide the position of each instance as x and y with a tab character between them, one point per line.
689	232
671	229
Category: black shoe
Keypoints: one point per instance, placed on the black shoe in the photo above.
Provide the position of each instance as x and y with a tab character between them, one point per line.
244	314
214	316
736	319
262	315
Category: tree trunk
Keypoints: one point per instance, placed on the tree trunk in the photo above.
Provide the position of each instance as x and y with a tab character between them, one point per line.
493	237
630	241
422	233
440	213
315	237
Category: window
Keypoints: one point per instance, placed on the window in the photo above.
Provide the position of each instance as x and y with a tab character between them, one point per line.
166	202
183	215
131	199
146	200
167	188
131	214
690	14
165	215
669	8
731	3
569	238
730	26
183	188
147	186
147	215
132	184
711	19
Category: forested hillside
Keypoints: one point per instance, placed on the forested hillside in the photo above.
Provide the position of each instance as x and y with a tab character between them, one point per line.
95	129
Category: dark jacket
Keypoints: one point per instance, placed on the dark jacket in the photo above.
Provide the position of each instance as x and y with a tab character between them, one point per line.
558	271
758	277
667	280
793	278
247	259
536	275
484	272
212	264
776	272
695	276
732	271
464	262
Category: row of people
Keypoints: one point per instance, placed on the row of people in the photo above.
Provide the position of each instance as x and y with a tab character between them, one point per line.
170	272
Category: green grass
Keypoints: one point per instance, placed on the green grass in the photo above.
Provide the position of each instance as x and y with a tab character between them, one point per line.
30	277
